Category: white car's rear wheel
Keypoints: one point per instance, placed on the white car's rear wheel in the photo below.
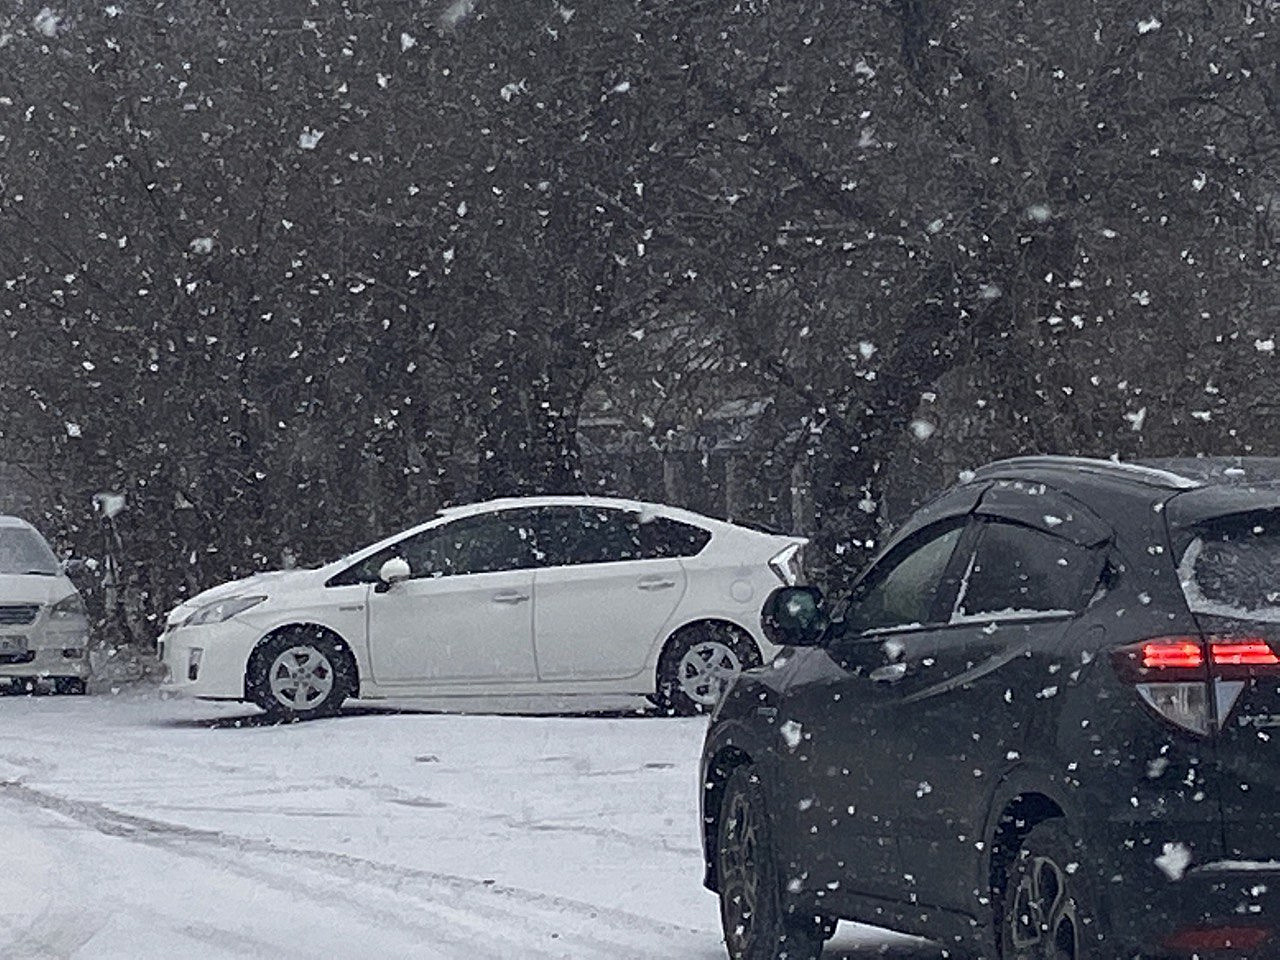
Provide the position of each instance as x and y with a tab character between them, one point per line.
698	662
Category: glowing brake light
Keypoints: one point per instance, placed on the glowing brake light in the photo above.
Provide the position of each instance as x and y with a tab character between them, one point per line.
1246	652
1170	653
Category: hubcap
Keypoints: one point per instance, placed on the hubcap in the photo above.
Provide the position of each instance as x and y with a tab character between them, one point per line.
740	888
705	669
301	678
1043	921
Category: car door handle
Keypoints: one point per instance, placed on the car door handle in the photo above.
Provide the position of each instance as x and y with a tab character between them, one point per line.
656	583
889	673
511	596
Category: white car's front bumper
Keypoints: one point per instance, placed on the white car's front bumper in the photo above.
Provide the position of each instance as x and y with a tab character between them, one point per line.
217	671
52	649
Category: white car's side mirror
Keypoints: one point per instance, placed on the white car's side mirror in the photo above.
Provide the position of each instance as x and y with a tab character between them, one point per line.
393	571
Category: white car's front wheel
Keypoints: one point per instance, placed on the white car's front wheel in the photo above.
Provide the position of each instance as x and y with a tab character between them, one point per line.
698	662
300	672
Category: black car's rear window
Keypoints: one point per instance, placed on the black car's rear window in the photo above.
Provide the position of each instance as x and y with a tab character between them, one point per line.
1231	567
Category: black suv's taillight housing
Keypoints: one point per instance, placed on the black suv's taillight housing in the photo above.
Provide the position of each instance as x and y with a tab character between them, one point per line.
1176	676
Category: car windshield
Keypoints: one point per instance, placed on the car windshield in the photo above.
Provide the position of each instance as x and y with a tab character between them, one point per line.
24	551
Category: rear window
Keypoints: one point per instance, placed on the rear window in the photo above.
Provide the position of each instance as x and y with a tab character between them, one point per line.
1231	567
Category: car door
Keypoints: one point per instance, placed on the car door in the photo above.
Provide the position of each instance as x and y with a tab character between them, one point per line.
465	616
602	596
843	742
1020	590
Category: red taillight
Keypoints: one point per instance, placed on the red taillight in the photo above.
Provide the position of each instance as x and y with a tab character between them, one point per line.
1245	652
1193	682
1194	940
1172	653
1184	657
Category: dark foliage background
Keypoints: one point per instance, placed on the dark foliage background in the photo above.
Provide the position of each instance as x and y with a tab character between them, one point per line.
293	274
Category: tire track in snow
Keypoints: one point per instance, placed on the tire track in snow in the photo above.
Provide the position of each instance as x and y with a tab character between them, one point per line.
516	921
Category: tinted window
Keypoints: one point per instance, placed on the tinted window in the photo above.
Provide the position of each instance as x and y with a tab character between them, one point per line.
568	536
1232	567
1017	569
902	590
663	537
485	544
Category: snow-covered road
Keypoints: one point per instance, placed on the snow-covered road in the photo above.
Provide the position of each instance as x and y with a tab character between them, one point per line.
133	827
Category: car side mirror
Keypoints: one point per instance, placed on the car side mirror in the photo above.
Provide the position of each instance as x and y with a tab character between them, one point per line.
793	617
393	571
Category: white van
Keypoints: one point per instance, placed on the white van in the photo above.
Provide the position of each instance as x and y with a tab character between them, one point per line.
44	630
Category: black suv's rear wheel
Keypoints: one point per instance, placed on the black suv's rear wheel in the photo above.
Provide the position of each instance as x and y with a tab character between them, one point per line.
751	912
1047	910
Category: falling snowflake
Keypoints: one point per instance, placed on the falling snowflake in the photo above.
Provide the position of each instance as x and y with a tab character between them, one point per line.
46	22
1175	859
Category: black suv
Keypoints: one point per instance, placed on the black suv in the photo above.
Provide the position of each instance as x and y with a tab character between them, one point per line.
1044	723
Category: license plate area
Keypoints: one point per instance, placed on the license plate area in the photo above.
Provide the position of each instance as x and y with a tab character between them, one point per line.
12	645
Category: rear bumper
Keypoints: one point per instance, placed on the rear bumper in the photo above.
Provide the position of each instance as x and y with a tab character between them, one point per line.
1222	909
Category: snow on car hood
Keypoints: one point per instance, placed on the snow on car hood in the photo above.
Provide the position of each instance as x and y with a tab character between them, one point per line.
34	588
264	583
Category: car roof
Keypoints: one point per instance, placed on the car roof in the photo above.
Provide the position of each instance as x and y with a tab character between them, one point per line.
615	503
1084	472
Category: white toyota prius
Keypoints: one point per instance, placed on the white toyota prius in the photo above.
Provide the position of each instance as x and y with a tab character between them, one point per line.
545	595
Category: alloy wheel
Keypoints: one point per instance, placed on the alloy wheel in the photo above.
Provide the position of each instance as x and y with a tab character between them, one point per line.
1043	920
704	670
739	871
301	678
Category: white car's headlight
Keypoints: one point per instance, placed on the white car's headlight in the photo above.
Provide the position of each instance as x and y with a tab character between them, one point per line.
221	610
70	607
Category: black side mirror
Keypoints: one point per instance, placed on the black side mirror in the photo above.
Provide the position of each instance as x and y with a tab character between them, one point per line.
793	617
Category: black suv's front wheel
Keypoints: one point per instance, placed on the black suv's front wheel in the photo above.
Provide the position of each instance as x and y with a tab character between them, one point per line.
751	913
1047	910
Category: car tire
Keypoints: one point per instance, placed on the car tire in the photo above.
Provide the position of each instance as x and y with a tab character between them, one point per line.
696	663
1047	909
300	672
755	923
70	686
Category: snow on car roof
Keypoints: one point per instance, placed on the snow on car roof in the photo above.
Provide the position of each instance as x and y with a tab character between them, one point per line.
572	500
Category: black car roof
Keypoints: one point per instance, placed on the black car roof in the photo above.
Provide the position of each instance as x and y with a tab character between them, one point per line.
1083	472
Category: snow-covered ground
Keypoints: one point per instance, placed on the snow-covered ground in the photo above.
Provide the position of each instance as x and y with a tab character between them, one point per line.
133	827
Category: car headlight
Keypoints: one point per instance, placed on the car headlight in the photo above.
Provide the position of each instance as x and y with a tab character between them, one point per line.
70	607
221	610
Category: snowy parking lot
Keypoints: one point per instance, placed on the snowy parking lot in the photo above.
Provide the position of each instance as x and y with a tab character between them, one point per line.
136	827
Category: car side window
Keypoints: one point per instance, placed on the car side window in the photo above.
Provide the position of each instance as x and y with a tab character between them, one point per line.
902	589
482	544
1019	570
662	537
569	536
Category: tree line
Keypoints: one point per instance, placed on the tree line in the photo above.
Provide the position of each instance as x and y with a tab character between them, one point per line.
295	274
